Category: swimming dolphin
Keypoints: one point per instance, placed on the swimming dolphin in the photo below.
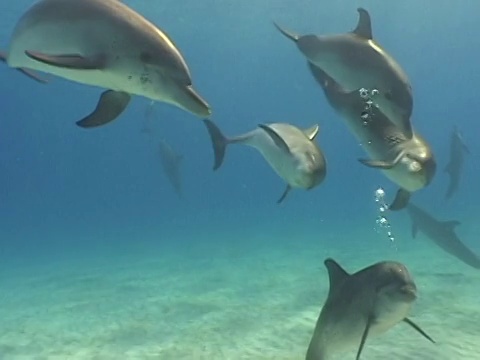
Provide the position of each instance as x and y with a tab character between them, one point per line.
291	152
171	162
355	60
360	305
442	233
455	163
407	161
103	43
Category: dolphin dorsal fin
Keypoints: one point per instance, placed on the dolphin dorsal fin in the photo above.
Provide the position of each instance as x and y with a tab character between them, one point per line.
336	273
277	139
364	25
311	132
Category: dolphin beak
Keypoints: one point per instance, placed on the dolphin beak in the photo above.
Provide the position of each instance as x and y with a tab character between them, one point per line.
409	291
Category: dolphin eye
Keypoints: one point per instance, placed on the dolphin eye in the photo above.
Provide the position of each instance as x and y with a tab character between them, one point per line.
389	95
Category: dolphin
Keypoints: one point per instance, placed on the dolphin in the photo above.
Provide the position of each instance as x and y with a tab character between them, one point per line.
360	305
355	61
442	233
407	161
455	164
103	43
171	162
291	152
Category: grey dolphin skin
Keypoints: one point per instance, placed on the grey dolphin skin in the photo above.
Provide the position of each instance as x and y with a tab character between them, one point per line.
455	164
291	152
442	233
360	306
355	60
171	162
407	161
103	43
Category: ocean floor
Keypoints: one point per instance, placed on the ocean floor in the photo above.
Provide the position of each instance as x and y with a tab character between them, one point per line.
228	299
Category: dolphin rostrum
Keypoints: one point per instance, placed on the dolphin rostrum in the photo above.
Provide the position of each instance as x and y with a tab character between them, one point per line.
103	43
355	61
455	163
407	161
171	162
291	152
361	305
442	233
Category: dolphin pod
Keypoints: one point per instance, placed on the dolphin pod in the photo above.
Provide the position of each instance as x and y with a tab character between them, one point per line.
106	44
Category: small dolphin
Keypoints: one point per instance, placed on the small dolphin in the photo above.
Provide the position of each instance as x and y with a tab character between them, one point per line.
103	43
357	61
442	233
455	164
290	151
407	161
171	162
364	304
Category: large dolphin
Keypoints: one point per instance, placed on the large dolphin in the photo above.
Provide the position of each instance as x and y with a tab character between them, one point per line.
407	161
291	152
171	162
355	60
455	164
103	43
360	305
442	233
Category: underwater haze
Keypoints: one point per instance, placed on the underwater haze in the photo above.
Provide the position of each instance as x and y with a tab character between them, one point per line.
102	258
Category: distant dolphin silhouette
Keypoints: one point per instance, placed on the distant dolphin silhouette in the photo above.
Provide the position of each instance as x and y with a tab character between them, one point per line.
407	161
442	233
103	43
361	305
290	151
455	163
171	162
355	61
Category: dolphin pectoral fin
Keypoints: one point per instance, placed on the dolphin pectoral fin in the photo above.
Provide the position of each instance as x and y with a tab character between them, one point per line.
219	142
451	224
382	164
401	200
69	61
364	25
378	164
311	132
465	148
277	139
29	73
364	337
416	327
284	195
109	107
288	34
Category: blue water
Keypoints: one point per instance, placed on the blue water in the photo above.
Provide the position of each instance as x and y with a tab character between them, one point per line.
76	201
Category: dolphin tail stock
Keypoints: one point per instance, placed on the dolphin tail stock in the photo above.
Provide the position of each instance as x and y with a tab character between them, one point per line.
288	34
30	74
219	142
401	200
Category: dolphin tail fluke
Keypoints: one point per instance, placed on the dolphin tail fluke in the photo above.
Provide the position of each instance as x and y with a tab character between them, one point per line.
401	200
288	34
109	107
219	142
30	74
